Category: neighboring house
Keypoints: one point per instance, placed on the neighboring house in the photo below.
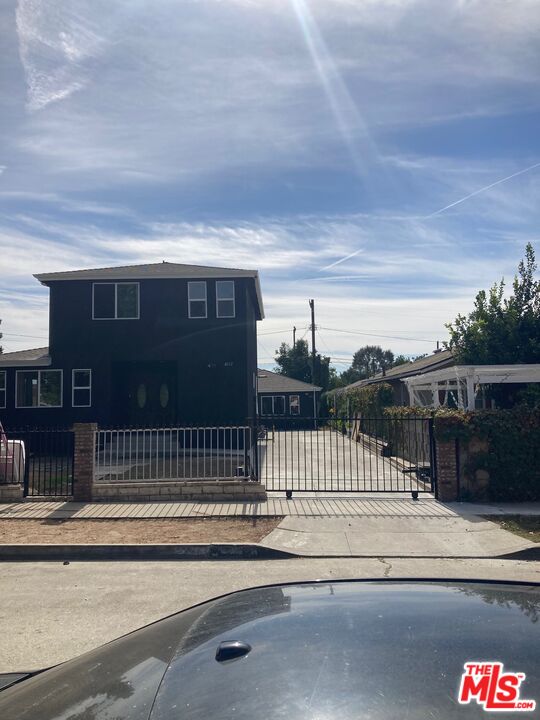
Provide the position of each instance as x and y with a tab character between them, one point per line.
284	397
140	345
395	376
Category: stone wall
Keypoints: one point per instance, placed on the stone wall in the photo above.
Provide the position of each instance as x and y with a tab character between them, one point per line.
11	493
169	491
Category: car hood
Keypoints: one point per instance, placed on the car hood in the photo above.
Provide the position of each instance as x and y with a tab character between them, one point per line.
318	650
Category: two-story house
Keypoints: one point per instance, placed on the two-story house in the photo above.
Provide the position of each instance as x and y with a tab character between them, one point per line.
140	345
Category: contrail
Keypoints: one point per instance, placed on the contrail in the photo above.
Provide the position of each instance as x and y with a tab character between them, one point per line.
338	262
481	190
447	207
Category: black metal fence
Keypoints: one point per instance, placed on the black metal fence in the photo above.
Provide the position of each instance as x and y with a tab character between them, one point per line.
41	459
347	455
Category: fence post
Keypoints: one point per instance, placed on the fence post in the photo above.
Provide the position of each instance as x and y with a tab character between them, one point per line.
83	460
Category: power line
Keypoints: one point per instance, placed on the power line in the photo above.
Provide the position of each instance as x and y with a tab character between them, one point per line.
275	332
339	361
390	337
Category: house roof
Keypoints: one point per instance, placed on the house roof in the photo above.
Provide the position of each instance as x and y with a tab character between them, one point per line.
271	382
438	359
35	356
162	270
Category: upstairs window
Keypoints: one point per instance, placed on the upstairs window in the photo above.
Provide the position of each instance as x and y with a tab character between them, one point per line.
115	301
2	388
197	300
81	388
225	299
38	388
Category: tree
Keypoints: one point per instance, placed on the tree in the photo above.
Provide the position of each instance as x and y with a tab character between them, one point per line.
501	330
401	360
367	361
295	362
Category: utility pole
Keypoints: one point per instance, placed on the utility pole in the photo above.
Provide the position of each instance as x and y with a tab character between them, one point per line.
294	337
313	351
313	357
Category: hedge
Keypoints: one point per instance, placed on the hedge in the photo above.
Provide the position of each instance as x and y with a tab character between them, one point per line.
368	401
509	454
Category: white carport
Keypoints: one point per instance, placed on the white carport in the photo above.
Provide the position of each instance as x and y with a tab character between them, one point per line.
460	385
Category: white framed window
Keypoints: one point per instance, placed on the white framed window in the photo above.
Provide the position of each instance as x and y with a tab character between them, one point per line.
294	404
279	404
273	405
2	388
197	303
81	388
225	305
115	301
266	405
38	388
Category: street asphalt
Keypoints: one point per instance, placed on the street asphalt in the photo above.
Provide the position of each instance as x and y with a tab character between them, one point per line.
50	612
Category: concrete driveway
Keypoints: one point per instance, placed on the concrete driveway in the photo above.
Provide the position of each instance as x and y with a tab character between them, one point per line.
327	461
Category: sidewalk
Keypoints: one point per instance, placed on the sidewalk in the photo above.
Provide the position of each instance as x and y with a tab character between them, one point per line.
315	526
308	505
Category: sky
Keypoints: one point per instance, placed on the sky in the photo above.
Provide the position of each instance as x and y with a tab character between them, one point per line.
379	156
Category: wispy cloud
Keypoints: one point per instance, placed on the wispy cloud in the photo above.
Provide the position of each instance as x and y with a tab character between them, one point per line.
325	143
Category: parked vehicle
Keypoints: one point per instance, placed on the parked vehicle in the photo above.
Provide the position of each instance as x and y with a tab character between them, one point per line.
349	649
12	459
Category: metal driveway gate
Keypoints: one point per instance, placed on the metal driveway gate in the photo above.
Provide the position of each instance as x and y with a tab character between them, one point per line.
347	454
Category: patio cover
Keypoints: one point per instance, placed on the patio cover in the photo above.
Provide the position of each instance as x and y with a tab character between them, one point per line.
462	382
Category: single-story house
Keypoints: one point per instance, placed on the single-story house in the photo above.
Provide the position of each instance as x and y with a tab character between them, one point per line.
395	376
141	345
282	397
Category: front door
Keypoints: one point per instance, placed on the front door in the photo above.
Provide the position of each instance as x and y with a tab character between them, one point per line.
146	394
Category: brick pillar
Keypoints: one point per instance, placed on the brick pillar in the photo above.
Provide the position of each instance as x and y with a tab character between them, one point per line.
447	471
84	459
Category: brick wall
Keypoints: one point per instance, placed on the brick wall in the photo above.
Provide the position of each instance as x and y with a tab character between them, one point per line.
83	461
447	471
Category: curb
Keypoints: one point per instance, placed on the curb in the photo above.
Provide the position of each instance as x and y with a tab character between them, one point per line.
530	553
210	551
190	551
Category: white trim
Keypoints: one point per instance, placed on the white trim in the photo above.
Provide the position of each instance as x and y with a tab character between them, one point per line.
272	398
81	387
198	317
218	299
4	389
38	406
116	283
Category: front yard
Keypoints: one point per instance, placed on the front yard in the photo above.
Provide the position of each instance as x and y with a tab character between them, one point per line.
526	526
158	531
